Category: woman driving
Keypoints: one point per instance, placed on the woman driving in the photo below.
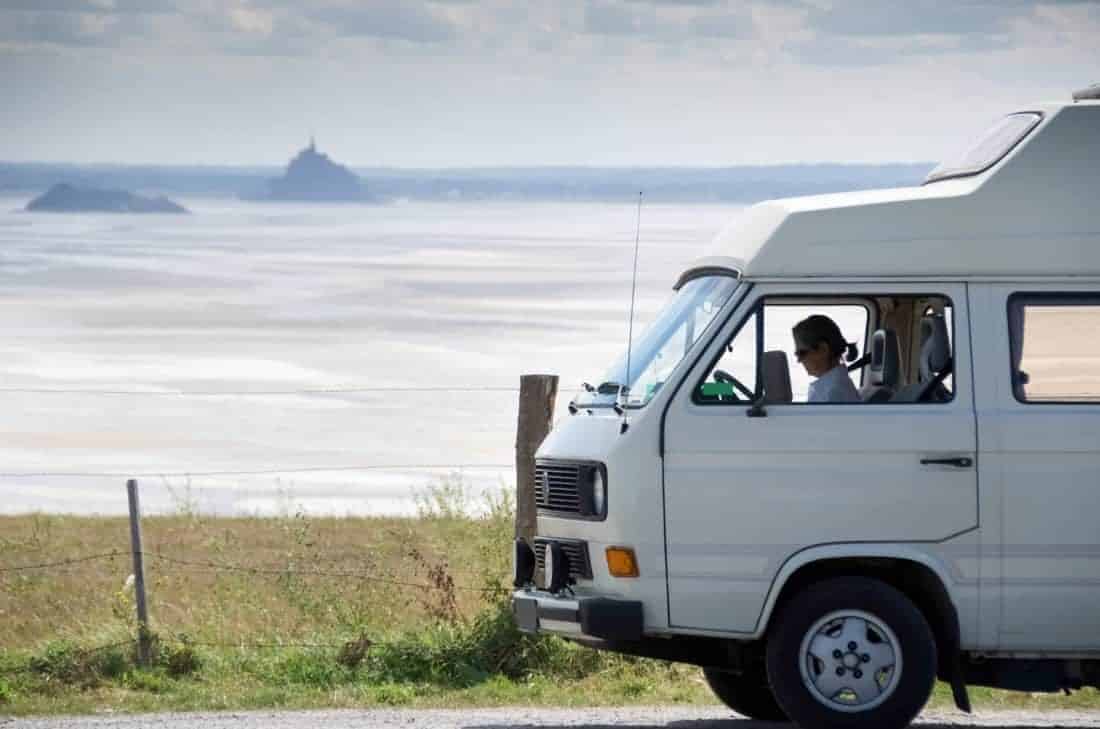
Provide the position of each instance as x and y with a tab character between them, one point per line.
820	347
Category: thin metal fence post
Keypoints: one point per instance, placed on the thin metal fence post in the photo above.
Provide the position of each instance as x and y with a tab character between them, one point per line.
144	636
537	394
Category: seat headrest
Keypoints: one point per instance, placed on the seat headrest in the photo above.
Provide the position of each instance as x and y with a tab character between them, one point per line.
777	377
935	347
885	367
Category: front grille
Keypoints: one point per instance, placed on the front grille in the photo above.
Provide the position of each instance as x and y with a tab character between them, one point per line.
557	486
575	550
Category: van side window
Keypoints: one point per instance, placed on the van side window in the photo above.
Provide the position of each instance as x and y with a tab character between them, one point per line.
753	367
901	352
1054	347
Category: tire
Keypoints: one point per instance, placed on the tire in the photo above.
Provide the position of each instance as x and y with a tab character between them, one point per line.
821	682
747	694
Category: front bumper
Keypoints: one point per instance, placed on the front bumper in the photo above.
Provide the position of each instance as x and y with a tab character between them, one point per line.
596	617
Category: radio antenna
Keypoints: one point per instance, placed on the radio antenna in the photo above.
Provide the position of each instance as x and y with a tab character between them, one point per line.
624	387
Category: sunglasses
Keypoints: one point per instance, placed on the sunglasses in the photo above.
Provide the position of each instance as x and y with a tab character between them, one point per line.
801	352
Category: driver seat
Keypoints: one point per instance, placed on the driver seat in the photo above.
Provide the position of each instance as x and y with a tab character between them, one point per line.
777	377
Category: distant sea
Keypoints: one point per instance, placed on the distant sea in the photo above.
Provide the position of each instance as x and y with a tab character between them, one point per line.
688	185
250	310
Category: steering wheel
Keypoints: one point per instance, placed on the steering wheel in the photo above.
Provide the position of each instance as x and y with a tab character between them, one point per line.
723	376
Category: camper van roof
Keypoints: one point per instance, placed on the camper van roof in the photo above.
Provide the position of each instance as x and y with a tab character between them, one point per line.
1032	212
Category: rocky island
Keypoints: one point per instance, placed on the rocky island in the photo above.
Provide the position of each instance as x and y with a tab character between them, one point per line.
313	177
66	198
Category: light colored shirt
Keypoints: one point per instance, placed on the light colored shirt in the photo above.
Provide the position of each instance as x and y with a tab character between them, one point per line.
833	386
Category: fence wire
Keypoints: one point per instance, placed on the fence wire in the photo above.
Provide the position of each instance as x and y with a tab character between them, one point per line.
215	567
253	393
211	567
64	562
261	472
244	645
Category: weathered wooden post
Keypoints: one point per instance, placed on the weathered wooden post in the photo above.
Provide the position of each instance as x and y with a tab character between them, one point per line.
536	416
145	648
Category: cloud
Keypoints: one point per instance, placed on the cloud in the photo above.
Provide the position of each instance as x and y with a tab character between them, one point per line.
868	33
64	29
834	50
137	7
671	22
242	28
766	32
51	6
728	25
604	17
251	20
78	23
679	3
397	20
916	17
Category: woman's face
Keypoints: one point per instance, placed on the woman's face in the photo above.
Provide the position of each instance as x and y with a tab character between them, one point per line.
815	359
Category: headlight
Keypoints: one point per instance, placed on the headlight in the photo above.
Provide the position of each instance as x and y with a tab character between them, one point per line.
599	492
592	487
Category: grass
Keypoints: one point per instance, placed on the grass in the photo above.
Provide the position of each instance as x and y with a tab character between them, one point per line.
371	557
361	635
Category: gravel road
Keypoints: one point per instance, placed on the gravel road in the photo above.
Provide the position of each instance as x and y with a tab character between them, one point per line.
519	718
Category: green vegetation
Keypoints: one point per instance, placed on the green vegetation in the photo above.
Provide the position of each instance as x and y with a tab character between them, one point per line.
322	612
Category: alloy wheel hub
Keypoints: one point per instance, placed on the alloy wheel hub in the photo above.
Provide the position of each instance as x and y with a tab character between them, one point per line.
850	661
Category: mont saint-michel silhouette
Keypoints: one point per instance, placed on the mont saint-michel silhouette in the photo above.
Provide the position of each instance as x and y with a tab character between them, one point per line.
313	176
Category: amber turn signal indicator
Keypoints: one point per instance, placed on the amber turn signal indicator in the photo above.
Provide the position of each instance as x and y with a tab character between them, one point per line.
621	562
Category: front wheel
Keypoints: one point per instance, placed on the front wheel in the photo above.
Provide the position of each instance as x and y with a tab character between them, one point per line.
747	693
851	653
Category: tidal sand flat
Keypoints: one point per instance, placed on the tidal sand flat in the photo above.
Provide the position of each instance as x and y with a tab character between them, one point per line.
265	314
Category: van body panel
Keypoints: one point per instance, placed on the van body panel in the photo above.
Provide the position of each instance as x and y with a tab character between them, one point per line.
1040	470
743	495
634	516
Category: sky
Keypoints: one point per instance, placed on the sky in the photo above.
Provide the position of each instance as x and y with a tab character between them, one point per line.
459	83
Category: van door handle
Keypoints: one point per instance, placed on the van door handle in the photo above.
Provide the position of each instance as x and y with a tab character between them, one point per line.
956	462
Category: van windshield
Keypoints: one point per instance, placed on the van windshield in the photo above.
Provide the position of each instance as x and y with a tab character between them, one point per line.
656	352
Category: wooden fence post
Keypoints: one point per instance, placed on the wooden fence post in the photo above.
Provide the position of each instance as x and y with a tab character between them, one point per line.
536	416
144	637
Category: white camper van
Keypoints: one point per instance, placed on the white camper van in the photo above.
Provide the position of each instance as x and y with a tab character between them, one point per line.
825	561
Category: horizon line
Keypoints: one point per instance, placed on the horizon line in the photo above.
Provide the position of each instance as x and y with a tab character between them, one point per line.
472	168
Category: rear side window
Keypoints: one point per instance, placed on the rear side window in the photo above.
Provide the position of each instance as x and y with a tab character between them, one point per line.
1055	347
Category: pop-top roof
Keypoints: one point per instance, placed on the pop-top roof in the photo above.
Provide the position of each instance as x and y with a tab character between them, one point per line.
1035	211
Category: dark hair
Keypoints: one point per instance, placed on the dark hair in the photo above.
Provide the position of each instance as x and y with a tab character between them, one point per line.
819	328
